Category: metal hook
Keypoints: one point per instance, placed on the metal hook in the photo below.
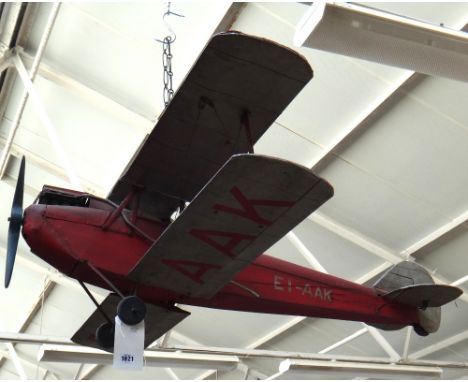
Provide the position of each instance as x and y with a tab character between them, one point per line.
172	36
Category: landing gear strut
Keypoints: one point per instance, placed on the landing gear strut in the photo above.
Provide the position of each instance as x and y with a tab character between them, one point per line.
131	310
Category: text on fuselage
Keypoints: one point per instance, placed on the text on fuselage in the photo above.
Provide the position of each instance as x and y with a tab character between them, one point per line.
286	285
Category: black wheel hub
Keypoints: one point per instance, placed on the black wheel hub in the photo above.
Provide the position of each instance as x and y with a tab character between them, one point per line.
131	310
105	335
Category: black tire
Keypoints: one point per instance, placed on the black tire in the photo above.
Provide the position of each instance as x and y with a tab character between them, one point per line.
105	335
420	330
131	310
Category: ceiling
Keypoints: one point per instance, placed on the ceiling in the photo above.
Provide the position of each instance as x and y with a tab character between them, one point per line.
392	142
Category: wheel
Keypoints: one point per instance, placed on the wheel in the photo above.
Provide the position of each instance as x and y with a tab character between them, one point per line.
131	310
420	330
105	335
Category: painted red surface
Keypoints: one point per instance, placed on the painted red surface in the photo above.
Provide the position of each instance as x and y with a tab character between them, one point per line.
70	237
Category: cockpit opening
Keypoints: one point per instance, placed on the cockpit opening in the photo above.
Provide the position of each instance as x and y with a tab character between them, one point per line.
52	197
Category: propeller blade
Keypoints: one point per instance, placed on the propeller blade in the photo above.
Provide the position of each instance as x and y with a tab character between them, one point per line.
14	228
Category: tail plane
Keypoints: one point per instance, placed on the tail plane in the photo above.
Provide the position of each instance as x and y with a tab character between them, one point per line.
411	284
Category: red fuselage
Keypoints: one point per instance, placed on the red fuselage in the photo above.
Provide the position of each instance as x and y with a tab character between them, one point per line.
71	237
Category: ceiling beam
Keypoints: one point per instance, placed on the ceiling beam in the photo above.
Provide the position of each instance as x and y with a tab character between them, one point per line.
105	102
460	281
54	169
276	354
345	340
250	353
367	370
409	330
436	234
46	123
31	75
89	372
357	238
304	251
31	363
82	354
384	344
36	306
16	361
94	356
440	345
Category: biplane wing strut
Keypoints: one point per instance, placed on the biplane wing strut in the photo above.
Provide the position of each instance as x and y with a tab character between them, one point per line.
235	91
247	206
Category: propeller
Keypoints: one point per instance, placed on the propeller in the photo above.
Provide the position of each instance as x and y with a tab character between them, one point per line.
16	220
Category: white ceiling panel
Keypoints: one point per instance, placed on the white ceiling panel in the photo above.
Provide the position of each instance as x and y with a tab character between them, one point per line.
334	252
361	202
426	150
448	254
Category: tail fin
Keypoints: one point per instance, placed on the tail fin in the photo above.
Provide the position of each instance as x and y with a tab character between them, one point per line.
409	283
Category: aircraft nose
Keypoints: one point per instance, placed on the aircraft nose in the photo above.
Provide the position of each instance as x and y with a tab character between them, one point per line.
32	220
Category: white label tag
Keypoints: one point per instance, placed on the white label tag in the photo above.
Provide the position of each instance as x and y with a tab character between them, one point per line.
129	343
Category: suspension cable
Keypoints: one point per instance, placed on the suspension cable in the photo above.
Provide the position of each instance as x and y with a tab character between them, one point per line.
166	42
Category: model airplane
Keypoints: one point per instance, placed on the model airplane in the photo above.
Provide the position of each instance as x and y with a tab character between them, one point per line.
233	205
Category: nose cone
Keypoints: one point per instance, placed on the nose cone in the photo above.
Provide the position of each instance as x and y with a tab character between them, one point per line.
32	222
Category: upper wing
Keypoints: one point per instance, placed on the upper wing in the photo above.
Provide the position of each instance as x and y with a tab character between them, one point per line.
249	204
236	76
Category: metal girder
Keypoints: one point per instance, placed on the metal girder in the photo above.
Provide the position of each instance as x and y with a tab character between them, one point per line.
57	344
275	354
30	362
436	234
460	281
440	345
310	258
346	133
82	354
105	102
16	361
52	168
30	76
36	306
367	370
44	118
345	340
89	372
384	344
356	238
409	330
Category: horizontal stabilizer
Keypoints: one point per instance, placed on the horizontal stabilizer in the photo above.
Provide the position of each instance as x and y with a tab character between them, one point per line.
410	283
158	321
424	295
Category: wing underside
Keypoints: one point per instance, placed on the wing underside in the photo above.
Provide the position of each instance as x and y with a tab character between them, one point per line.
234	92
247	206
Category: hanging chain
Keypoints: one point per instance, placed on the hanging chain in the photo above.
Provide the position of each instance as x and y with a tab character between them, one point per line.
168	92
